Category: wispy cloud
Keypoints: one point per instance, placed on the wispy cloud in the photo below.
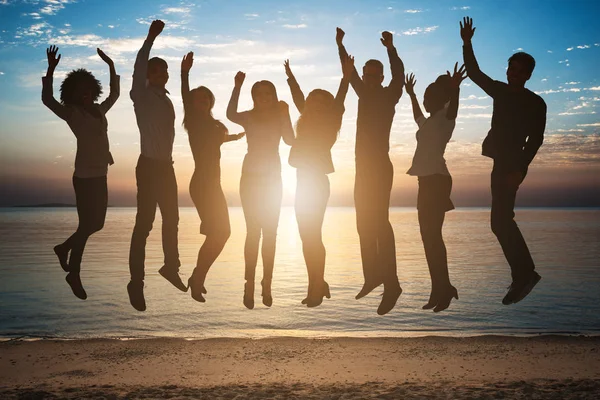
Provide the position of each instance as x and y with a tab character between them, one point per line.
413	11
176	10
299	26
54	6
460	8
580	47
593	124
418	30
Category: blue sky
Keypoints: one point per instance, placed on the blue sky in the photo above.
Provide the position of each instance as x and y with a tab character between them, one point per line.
37	149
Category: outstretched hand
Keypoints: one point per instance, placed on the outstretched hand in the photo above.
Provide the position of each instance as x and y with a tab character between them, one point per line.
387	39
467	31
156	28
348	67
410	84
288	70
52	58
105	58
339	36
239	79
187	62
459	75
240	135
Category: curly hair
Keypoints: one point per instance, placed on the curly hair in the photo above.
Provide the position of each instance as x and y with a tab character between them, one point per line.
76	81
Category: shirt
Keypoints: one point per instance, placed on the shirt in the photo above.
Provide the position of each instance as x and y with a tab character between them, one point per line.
154	111
93	153
432	137
518	118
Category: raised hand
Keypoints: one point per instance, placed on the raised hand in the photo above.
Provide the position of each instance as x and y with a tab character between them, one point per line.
288	70
339	36
239	79
387	39
105	58
156	28
410	84
467	31
459	75
187	61
52	59
348	67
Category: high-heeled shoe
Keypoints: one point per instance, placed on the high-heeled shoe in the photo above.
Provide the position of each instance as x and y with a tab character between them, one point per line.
446	298
196	292
249	295
267	298
315	299
368	287
433	301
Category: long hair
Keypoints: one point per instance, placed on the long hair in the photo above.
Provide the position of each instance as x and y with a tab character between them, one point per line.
322	125
269	85
188	115
75	81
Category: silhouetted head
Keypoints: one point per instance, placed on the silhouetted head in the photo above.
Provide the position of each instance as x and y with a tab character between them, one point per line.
158	72
520	68
373	73
319	117
80	88
437	94
202	102
264	95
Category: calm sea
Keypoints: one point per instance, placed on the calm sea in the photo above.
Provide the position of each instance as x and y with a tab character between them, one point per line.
35	301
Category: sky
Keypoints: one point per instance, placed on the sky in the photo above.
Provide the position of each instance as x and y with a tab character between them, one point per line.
37	149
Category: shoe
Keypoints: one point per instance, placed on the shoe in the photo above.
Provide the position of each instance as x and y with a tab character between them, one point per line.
63	256
135	289
172	276
431	303
389	299
196	294
316	300
527	287
266	294
368	287
446	299
249	295
74	280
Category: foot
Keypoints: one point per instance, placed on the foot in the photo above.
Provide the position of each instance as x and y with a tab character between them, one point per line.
172	276
266	294
315	299
389	299
135	289
368	287
196	290
432	302
525	287
63	256
249	295
446	298
74	280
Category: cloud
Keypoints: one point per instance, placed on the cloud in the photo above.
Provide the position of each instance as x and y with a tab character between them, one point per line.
418	30
580	47
595	88
299	26
577	113
251	16
176	10
593	124
460	8
412	11
54	6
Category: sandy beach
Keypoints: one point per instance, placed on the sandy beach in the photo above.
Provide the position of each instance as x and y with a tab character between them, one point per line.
288	368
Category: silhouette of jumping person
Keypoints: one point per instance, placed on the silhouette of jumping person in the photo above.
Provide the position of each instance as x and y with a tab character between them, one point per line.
206	135
518	124
260	184
155	176
375	172
435	182
316	132
78	108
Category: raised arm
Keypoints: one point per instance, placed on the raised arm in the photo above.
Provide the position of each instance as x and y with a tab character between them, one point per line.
115	86
47	89
140	68
396	64
479	78
287	130
536	137
232	108
455	80
186	65
297	94
410	90
347	70
355	80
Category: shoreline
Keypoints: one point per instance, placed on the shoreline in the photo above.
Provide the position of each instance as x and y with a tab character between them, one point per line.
436	367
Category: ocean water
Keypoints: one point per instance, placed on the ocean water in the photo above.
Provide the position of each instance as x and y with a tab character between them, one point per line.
35	301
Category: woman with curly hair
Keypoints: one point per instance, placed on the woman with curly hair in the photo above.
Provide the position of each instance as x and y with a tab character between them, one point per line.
206	135
260	185
316	132
78	108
